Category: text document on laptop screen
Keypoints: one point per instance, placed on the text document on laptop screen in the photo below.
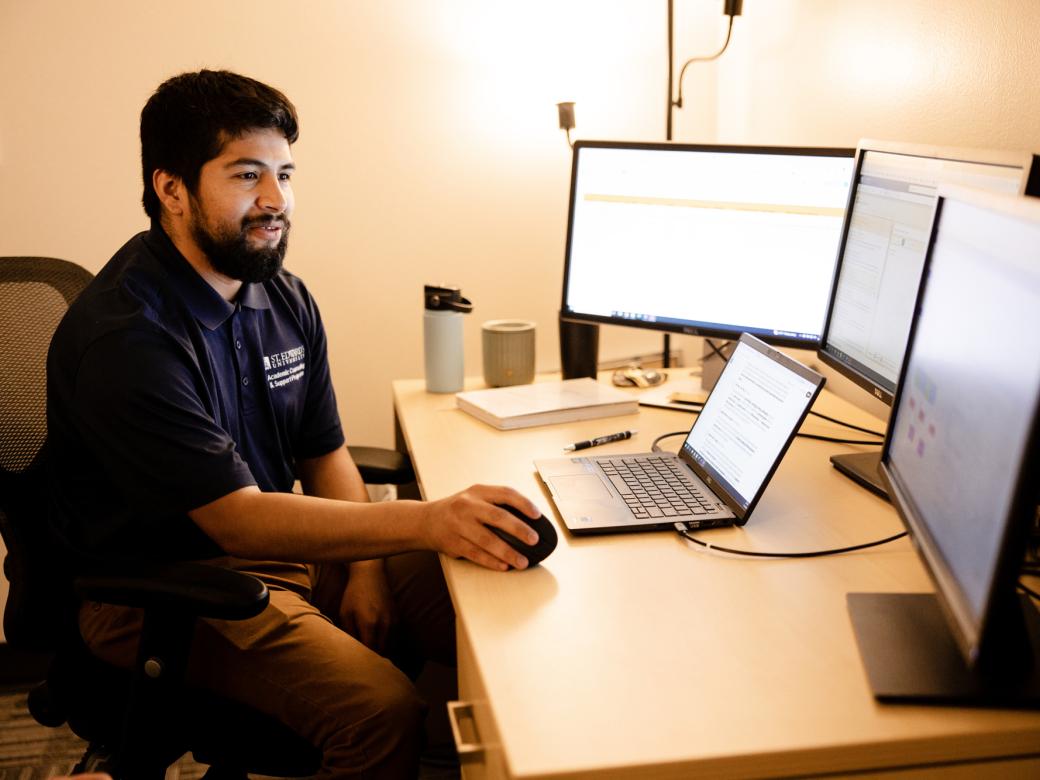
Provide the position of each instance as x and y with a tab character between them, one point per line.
889	225
698	240
747	420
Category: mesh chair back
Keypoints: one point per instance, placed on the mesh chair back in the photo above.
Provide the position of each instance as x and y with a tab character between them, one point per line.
35	292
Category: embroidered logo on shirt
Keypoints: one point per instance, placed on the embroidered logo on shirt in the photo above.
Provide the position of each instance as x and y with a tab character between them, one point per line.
285	367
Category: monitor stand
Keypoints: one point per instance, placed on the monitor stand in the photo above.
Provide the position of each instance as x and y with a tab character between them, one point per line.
713	360
911	657
864	468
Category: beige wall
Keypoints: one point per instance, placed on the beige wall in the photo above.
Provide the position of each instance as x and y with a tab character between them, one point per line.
429	149
951	72
829	72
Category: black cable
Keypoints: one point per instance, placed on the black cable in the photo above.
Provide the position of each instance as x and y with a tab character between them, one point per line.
1029	592
817	437
847	424
653	445
812	554
717	350
729	32
835	440
695	406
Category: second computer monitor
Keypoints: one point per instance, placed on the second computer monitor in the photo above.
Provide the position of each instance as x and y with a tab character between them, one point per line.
705	240
883	245
880	257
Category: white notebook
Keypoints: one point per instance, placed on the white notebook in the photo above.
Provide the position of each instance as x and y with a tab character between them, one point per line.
545	403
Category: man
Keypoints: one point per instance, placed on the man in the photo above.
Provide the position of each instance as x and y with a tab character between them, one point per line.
188	388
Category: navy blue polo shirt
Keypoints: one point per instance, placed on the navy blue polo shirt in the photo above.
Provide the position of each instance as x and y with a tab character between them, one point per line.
162	397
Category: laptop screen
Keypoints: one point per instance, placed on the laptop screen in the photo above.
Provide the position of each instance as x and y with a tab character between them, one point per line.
749	419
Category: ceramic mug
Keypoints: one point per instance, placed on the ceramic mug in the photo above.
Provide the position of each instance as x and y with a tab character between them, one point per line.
508	352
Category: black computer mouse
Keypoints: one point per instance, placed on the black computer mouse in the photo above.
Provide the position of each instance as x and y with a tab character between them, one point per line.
538	552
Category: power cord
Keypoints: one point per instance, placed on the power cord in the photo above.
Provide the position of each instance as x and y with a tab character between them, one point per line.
681	529
846	424
722	355
717	350
696	406
834	440
654	446
684	533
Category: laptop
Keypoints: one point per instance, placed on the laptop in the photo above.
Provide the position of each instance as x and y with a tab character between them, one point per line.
722	469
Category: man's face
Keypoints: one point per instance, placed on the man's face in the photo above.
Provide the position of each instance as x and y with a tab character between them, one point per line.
240	214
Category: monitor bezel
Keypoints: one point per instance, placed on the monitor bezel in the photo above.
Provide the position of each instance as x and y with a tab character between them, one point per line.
667	327
860	375
980	642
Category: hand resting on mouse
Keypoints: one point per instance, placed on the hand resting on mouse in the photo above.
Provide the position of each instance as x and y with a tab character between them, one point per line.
537	552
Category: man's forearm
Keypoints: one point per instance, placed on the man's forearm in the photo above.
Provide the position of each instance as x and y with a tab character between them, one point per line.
281	526
333	475
247	523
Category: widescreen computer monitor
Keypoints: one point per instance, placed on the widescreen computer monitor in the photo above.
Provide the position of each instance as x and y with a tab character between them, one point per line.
961	460
704	240
880	256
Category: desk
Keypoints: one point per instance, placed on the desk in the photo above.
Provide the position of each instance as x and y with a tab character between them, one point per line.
638	655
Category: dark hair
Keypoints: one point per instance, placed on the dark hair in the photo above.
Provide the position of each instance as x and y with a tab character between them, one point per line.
191	116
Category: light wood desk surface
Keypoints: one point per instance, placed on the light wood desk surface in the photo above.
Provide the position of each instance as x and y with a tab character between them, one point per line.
640	655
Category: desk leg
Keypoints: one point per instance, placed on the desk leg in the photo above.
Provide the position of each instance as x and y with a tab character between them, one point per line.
413	490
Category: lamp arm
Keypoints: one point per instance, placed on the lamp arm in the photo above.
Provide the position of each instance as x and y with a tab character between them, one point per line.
729	33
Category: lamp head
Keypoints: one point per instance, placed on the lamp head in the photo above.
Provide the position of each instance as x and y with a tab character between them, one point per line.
566	111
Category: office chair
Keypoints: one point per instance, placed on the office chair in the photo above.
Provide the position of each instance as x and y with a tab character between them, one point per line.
136	722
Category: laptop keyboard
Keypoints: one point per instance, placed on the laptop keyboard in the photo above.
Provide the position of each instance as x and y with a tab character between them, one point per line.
656	487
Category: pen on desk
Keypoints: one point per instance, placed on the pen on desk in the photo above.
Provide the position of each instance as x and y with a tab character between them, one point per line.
584	445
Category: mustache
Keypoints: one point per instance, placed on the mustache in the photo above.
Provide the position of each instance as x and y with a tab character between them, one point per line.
267	220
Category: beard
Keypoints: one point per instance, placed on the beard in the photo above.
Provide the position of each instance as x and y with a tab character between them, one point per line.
229	251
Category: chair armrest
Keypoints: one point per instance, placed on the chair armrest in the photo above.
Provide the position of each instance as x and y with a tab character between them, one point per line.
193	588
380	466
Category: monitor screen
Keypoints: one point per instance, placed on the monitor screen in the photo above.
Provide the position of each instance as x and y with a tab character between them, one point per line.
883	245
705	240
963	429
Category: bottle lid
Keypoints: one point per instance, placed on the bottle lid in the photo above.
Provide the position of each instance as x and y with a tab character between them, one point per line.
440	298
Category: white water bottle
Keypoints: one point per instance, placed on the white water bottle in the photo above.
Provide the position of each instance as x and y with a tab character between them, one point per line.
442	337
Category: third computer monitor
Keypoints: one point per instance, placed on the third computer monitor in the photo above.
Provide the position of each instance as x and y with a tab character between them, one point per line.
961	460
705	240
880	256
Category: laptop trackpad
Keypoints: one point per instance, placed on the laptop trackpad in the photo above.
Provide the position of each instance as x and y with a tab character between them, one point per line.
580	487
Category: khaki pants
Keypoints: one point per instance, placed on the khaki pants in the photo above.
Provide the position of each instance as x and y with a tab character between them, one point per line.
293	663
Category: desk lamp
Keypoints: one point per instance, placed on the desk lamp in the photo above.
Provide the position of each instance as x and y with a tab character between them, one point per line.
730	8
712	354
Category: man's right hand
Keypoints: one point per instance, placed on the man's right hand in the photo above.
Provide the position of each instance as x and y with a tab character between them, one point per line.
248	523
457	526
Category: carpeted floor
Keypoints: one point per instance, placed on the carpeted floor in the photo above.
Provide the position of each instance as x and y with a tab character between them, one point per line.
29	751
